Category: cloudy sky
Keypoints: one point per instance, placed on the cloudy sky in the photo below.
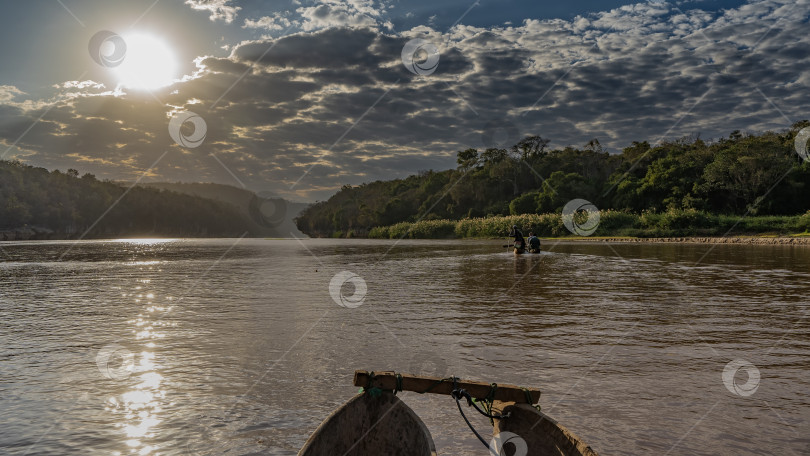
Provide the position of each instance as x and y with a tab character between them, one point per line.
299	97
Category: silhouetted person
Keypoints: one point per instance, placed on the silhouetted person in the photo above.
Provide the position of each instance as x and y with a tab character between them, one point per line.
534	242
520	243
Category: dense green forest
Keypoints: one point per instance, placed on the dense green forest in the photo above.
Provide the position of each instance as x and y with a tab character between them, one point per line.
743	174
36	203
275	218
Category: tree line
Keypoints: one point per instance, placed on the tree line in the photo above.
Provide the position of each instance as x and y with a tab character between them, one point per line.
753	174
62	205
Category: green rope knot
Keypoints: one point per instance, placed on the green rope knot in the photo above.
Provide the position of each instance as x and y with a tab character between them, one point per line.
372	390
529	398
493	388
489	400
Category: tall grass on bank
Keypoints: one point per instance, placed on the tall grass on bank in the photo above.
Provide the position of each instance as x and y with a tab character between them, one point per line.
612	223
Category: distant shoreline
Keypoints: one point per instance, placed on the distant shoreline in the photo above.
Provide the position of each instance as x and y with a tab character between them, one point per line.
673	226
735	240
744	240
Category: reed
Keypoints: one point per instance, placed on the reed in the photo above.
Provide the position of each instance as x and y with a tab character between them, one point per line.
686	222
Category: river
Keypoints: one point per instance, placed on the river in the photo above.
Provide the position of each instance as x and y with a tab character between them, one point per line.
174	347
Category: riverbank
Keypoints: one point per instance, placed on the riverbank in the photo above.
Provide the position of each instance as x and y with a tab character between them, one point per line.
31	234
745	240
673	224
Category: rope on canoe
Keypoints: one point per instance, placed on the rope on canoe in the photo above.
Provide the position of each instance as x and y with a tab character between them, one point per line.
439	382
529	398
458	404
493	388
459	393
372	390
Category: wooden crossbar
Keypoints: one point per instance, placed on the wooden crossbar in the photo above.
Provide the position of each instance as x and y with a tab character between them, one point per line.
420	384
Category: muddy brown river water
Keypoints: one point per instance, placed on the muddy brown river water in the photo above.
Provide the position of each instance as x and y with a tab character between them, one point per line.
238	347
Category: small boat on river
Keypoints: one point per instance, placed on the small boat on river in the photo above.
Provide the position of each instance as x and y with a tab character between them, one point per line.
371	424
377	422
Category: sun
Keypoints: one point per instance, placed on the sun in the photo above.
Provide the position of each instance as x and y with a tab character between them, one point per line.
149	63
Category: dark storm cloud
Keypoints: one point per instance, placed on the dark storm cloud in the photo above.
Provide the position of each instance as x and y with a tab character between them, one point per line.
276	107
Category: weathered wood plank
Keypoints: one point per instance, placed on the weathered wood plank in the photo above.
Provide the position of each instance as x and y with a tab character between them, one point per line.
478	390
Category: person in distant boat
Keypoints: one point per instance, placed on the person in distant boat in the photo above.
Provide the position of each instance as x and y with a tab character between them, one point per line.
534	242
520	243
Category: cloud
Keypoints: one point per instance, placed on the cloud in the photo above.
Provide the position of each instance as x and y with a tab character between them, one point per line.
275	22
8	93
219	9
81	84
326	14
334	15
305	113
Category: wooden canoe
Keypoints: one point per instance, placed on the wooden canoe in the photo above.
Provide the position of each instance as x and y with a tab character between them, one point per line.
519	251
542	435
534	250
371	425
525	432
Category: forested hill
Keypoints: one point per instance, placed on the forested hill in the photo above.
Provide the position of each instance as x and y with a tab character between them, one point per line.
267	215
732	175
38	204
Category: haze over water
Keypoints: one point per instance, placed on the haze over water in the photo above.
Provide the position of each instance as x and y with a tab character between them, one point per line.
238	347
